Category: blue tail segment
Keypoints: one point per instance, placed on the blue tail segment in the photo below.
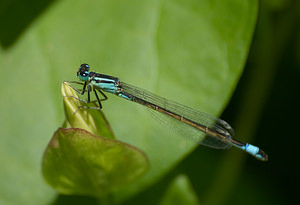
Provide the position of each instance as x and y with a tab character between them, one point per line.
251	149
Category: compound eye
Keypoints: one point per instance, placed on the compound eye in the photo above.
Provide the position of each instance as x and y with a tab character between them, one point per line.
84	76
85	67
84	73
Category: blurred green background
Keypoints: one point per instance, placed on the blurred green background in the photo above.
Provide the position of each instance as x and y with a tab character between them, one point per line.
239	58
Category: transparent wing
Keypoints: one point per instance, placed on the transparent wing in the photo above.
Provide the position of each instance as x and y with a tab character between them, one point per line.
217	125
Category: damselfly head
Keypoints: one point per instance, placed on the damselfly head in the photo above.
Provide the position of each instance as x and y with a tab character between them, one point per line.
83	72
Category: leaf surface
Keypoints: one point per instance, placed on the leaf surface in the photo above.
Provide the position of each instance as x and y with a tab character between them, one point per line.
191	51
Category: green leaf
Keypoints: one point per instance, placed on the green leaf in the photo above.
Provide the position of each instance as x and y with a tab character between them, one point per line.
81	163
78	162
189	51
180	191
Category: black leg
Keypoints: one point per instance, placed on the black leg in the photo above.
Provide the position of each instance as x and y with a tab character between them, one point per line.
84	86
75	82
88	90
99	100
105	97
83	89
79	92
89	101
100	105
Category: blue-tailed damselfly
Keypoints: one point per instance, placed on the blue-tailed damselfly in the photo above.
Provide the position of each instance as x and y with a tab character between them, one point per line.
197	126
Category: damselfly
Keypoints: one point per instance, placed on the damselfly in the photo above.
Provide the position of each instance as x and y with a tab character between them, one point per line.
197	126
